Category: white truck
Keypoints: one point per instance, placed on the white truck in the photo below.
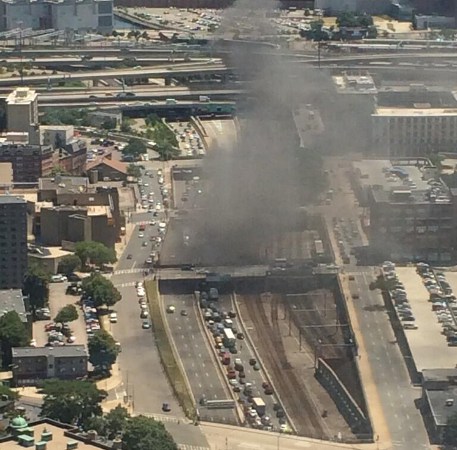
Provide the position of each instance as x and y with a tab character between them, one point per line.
259	405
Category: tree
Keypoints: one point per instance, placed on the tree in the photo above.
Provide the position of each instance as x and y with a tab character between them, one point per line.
73	402
68	313
135	148
108	124
133	171
36	286
151	120
12	334
145	433
116	421
349	19
103	350
5	390
167	151
68	264
126	125
316	32
59	170
101	290
95	253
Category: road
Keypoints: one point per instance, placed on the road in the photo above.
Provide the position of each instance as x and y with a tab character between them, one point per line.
396	395
222	132
193	347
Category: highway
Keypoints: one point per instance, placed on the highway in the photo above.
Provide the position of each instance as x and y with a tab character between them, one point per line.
194	350
397	396
170	71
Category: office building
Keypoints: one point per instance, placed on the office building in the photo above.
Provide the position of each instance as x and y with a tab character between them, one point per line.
32	364
409	213
414	121
77	15
30	162
13	241
22	113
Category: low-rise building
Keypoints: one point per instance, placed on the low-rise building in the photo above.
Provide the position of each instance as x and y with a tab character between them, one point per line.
107	169
13	300
409	213
32	364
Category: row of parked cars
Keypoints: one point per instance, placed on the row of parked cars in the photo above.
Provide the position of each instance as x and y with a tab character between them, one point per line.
144	313
444	302
399	296
90	315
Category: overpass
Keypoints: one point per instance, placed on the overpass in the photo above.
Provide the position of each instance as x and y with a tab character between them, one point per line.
169	72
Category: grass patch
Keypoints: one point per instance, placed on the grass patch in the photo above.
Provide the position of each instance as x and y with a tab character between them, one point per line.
167	355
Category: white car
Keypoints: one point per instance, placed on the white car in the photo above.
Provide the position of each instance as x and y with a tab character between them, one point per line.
113	317
152	222
141	235
146	184
162	225
158	207
141	293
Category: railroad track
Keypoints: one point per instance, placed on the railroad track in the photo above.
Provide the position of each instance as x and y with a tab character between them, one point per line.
291	387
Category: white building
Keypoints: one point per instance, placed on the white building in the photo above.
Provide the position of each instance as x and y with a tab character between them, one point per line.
78	15
57	136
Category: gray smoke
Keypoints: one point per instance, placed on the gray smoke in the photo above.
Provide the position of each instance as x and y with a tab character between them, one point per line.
255	190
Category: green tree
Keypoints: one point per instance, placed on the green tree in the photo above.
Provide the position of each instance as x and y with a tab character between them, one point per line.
145	433
151	120
108	124
95	253
36	286
59	170
68	264
68	313
12	334
316	32
73	402
133	171
135	147
126	125
167	151
101	290
116	421
5	390
349	19
103	350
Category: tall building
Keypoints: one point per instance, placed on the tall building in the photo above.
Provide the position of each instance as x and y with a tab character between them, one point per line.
77	15
22	113
13	241
413	122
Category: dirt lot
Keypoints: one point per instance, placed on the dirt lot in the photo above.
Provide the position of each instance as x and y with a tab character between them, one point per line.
291	368
57	300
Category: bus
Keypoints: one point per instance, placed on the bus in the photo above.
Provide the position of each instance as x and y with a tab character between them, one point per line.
319	247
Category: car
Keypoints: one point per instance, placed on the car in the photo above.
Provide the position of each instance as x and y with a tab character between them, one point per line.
145	325
73	277
256	366
240	335
183	312
152	222
144	244
252	361
166	407
149	260
144	314
171	309
141	235
129	256
113	317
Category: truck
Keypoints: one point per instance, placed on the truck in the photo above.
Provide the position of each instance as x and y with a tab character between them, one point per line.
259	405
229	338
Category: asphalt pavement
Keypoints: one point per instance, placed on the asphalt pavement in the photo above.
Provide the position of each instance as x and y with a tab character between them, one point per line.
204	377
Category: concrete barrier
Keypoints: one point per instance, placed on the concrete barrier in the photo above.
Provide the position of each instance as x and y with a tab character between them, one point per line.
347	406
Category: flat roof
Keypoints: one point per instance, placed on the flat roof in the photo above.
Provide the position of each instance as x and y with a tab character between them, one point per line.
59	351
21	95
12	300
427	344
65	184
421	110
11	199
59	440
439	409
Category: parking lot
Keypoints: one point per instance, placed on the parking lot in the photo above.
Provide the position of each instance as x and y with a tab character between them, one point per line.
424	321
57	300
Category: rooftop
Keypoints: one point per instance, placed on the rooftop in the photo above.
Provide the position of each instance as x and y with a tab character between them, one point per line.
62	184
64	351
11	199
443	404
355	84
21	95
402	98
116	165
420	109
12	300
62	434
427	344
401	180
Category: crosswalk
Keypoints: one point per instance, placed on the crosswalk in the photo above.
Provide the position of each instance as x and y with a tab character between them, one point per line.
125	271
124	285
164	418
